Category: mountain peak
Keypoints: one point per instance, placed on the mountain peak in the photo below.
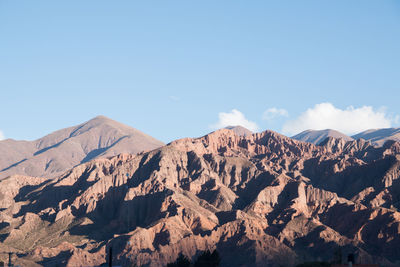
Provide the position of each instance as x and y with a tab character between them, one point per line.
318	136
240	130
101	118
54	153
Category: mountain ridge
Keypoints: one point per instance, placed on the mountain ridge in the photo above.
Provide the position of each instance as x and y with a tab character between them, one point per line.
376	136
379	136
20	153
260	200
56	152
318	136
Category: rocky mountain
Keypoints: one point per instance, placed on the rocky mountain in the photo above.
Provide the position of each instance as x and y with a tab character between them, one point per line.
260	200
380	136
55	153
317	136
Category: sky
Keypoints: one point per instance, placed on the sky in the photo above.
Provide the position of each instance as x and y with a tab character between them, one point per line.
176	69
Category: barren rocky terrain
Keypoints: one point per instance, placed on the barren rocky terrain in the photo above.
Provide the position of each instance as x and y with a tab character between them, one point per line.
260	199
57	152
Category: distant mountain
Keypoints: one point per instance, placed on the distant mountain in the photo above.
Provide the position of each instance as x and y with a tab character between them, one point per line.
316	137
379	136
59	151
240	130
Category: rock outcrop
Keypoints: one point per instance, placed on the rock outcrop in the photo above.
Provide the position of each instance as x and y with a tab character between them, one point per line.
260	200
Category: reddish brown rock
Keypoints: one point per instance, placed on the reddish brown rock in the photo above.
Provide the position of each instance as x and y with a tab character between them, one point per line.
260	200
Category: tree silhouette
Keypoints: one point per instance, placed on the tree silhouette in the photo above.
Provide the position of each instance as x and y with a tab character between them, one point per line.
208	259
315	264
337	255
181	261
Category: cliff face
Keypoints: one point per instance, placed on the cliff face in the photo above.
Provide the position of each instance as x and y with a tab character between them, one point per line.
261	199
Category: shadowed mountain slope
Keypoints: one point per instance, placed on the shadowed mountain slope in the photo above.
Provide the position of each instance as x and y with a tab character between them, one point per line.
379	136
260	200
316	137
57	152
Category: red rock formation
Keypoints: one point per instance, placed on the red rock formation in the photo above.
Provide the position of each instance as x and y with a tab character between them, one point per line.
260	200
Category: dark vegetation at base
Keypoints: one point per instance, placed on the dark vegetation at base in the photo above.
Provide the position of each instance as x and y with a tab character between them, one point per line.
181	261
206	259
315	264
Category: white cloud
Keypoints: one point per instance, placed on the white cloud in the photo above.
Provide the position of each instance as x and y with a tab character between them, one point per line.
234	118
273	113
1	135
349	121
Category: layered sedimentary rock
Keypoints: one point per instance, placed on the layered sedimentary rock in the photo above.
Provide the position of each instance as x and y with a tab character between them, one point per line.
260	200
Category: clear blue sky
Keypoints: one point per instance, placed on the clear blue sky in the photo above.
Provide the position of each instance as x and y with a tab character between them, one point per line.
169	68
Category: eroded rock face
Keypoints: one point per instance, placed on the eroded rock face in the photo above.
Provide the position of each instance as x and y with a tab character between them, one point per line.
261	200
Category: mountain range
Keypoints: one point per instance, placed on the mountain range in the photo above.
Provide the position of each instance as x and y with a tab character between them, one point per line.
259	199
52	155
379	136
376	136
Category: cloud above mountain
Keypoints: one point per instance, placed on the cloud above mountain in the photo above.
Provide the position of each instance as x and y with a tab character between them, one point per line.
234	118
350	120
1	135
273	113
